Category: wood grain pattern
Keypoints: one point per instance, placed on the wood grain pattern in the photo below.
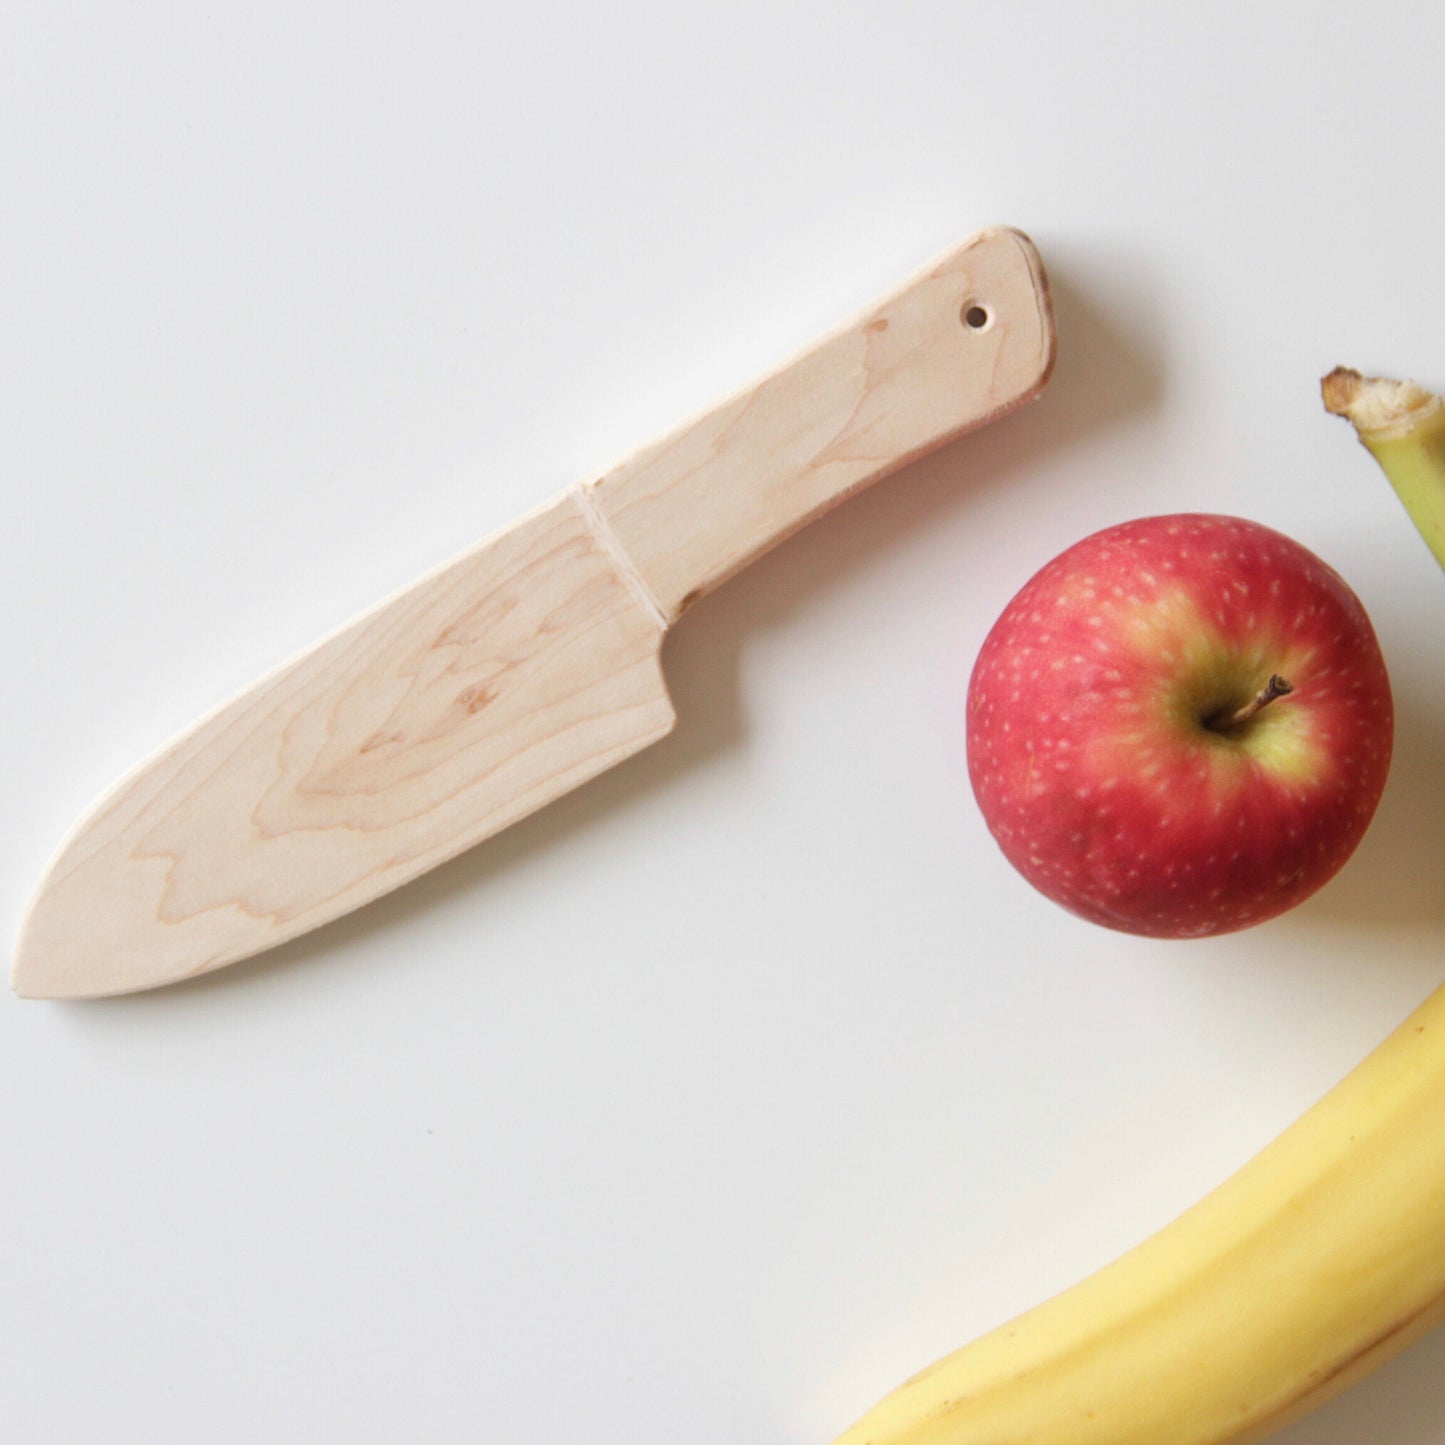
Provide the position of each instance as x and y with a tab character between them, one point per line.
510	676
905	376
521	668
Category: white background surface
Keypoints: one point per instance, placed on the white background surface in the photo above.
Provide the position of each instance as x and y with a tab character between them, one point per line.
729	1091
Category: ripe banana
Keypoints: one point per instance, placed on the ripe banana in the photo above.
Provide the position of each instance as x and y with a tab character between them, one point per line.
1318	1261
1322	1258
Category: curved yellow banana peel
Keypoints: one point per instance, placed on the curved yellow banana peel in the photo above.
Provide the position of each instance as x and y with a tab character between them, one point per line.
1321	1259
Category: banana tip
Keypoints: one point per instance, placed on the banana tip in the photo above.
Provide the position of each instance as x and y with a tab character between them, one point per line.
1377	405
1339	390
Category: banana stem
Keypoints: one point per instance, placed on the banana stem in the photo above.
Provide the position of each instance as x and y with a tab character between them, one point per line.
1403	426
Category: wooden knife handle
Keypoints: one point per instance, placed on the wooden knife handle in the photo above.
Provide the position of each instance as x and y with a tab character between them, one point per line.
969	337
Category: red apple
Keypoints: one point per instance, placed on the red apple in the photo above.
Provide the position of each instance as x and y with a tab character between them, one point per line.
1181	726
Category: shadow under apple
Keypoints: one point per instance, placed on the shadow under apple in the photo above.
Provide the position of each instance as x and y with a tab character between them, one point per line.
1394	879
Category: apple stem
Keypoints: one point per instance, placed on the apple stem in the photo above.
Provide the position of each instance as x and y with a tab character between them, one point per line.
1275	687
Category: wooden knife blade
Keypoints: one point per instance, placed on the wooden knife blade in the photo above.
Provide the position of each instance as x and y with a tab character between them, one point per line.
524	666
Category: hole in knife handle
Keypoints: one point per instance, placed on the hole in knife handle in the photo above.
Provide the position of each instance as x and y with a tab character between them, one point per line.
976	317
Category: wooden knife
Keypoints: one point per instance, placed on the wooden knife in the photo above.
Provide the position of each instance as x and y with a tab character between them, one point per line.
522	667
